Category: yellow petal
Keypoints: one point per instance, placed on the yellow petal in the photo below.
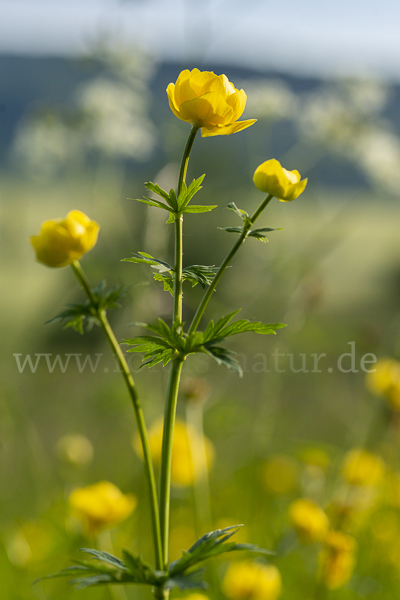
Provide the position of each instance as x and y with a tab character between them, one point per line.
208	110
227	129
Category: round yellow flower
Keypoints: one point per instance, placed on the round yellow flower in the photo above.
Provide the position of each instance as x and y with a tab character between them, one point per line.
101	505
252	581
384	380
280	474
62	241
185	471
337	559
274	179
361	467
209	101
309	520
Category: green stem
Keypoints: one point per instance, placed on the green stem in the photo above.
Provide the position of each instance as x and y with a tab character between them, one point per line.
176	365
130	384
207	296
166	452
178	266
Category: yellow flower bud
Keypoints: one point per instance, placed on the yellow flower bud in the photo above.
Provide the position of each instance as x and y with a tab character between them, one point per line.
184	472
101	505
209	101
337	559
309	521
361	467
61	242
252	581
272	178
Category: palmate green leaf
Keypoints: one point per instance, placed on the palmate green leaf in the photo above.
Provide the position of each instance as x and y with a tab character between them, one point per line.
75	315
151	202
187	193
187	581
201	274
220	330
259	234
140	570
223	356
158	348
170	197
210	544
143	257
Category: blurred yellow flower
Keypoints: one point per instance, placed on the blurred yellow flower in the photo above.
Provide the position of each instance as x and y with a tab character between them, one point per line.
209	101
337	559
309	521
385	381
101	505
186	439
280	474
61	242
252	581
274	179
361	467
75	449
196	596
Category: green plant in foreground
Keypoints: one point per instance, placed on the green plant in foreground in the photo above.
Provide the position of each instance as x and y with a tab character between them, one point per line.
213	105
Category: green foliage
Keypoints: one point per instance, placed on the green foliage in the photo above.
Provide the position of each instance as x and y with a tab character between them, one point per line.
76	314
133	569
176	206
209	545
173	342
202	274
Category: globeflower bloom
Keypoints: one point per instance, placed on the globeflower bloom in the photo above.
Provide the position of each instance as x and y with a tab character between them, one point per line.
309	521
337	559
208	101
272	178
62	241
101	505
184	471
361	467
252	581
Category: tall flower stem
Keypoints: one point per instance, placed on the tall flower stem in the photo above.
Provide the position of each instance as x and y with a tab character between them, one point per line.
130	384
245	232
177	312
176	365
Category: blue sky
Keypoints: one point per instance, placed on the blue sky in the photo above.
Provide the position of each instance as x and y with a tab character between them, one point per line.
311	36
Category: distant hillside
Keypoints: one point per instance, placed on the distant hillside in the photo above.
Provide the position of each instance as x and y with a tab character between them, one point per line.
28	82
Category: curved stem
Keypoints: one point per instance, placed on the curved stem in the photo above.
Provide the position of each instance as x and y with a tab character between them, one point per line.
245	231
166	453
130	384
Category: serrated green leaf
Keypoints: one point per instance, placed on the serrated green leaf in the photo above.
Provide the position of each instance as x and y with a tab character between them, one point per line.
223	356
105	557
151	202
187	193
141	570
210	544
143	257
197	208
232	229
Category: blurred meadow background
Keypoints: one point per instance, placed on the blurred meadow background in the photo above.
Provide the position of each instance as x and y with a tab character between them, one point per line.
84	122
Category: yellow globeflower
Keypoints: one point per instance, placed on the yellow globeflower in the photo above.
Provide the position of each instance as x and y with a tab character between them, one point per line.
361	467
252	581
62	241
337	559
309	520
101	505
185	468
196	596
272	178
384	380
209	101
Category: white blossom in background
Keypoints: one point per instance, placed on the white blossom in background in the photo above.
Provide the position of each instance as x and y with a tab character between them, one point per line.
116	119
270	99
108	115
346	118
